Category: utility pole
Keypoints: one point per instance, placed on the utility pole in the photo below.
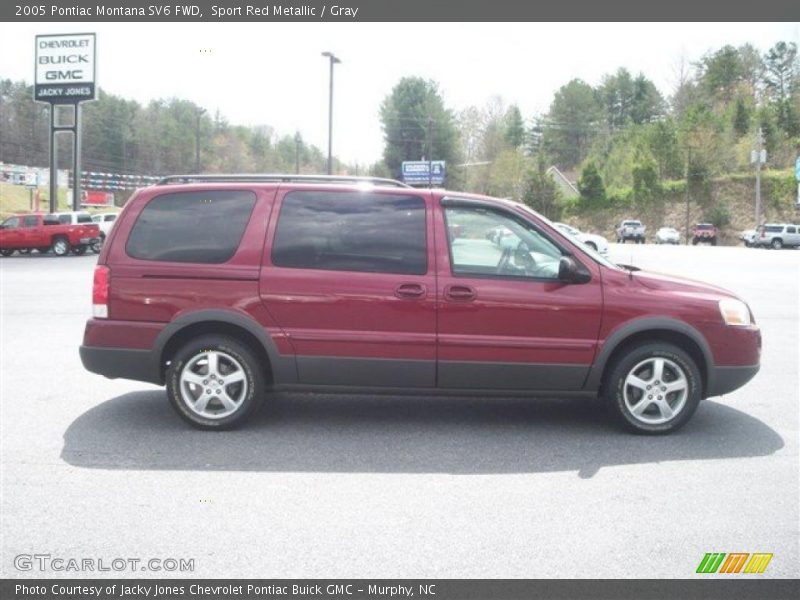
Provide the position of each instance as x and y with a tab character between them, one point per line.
759	157
688	173
333	60
297	142
430	152
198	113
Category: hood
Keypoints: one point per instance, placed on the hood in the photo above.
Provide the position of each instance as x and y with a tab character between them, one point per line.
670	283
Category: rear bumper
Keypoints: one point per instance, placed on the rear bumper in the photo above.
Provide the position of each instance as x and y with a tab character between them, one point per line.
88	240
724	380
121	363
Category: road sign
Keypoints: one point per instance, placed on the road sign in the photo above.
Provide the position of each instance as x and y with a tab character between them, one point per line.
424	172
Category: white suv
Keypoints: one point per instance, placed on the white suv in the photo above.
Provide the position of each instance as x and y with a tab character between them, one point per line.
778	235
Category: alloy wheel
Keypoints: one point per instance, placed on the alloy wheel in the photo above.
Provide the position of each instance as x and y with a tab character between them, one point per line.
655	390
213	384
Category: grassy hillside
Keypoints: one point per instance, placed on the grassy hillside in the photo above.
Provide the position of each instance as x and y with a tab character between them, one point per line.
16	198
729	204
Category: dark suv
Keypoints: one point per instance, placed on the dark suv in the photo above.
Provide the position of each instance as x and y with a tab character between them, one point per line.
225	288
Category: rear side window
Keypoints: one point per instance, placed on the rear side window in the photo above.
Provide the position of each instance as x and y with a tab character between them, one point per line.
352	231
29	221
84	218
64	219
110	218
791	229
192	227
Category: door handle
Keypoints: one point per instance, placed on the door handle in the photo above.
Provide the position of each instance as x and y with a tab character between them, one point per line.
460	293
410	290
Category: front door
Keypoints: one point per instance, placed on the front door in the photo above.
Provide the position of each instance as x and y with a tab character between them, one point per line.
505	319
11	233
350	281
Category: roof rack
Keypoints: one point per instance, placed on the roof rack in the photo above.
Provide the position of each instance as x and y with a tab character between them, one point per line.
282	178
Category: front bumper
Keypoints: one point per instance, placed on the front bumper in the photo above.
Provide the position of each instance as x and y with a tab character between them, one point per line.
723	380
122	363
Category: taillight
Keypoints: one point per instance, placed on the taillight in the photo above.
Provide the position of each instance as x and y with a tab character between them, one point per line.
102	276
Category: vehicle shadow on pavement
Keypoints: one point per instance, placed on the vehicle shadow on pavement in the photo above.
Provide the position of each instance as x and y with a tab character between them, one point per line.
311	433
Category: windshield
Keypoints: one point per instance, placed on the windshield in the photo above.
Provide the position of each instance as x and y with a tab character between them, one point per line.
596	256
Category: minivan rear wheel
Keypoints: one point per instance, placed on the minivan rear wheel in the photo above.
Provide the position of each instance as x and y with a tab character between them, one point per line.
215	382
653	388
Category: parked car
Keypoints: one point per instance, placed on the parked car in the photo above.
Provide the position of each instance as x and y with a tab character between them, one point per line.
105	221
44	232
332	284
748	237
668	235
778	235
596	242
631	230
704	233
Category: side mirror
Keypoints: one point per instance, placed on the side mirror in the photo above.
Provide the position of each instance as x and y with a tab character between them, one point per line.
571	271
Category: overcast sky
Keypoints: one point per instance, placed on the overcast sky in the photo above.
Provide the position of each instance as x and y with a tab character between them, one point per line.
273	74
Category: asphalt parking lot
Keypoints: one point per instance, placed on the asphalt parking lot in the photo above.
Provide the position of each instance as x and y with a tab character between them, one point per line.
393	487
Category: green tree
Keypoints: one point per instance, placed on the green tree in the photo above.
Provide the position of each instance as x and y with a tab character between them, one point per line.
572	123
721	71
591	186
646	184
541	192
662	140
741	117
514	133
780	80
417	124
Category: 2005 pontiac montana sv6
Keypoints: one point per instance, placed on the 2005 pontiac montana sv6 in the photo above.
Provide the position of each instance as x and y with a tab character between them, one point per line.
224	288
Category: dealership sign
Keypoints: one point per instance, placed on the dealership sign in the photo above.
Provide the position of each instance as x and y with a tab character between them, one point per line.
427	172
65	68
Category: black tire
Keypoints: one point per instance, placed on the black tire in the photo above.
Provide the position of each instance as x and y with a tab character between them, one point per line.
614	388
777	244
80	250
60	246
98	245
253	370
25	250
7	252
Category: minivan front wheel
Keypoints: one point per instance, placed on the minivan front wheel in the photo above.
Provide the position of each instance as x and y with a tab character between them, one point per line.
654	388
215	382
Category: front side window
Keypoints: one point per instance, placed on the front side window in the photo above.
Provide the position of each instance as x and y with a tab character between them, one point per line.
110	218
11	223
65	219
191	227
494	243
352	231
84	218
791	229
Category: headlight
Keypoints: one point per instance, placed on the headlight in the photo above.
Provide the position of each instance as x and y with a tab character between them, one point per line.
734	312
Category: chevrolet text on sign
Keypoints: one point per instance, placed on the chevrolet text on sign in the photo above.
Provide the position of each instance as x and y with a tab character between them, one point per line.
65	68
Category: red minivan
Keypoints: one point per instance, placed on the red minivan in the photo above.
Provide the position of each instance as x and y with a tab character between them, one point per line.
225	288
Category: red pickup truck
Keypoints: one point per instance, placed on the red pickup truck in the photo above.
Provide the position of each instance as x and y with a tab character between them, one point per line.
704	233
44	232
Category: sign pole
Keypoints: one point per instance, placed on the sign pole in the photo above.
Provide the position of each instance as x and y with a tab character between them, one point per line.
76	161
53	161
